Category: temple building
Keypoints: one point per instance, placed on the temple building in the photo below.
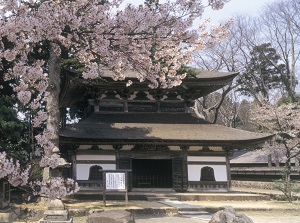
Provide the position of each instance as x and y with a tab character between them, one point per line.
151	133
261	166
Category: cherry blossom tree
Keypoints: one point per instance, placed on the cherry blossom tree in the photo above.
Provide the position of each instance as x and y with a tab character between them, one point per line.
284	121
37	35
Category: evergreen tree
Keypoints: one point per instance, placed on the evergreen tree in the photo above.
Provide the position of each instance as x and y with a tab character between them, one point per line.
11	129
262	75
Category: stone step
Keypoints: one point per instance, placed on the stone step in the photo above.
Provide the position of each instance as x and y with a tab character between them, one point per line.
153	198
193	213
201	217
195	209
181	206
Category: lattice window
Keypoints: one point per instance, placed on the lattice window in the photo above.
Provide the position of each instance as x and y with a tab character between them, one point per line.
207	174
95	172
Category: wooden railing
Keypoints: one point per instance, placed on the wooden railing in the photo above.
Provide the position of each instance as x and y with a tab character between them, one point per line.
151	180
207	185
90	184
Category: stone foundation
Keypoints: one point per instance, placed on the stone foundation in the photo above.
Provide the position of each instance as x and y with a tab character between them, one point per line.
56	213
256	184
118	216
9	213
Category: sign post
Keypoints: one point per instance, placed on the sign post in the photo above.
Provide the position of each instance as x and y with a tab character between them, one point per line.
115	181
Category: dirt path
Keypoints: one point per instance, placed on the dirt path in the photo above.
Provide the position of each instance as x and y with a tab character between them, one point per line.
279	216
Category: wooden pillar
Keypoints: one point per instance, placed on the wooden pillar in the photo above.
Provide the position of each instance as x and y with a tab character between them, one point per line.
228	153
73	160
125	106
158	106
117	149
269	160
228	172
184	167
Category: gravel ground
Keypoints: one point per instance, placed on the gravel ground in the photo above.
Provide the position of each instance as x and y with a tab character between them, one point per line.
289	216
166	219
278	216
258	211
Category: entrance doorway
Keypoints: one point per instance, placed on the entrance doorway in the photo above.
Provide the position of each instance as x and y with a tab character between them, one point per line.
152	173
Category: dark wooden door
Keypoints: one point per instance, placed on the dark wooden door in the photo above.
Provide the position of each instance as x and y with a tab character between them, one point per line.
152	173
126	164
180	181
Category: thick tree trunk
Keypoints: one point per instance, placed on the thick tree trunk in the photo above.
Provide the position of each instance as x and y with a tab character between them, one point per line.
53	98
53	101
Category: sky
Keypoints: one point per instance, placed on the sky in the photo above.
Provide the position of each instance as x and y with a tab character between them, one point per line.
232	8
236	7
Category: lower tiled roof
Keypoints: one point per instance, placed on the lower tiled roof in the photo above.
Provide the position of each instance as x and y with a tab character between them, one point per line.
171	128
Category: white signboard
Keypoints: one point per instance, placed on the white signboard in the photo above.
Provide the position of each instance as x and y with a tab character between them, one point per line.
115	181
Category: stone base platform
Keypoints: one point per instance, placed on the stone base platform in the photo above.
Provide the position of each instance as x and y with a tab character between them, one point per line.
56	213
8	214
58	221
187	196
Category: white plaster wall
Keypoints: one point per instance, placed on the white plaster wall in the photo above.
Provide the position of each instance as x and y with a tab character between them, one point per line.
95	157
83	170
194	172
206	158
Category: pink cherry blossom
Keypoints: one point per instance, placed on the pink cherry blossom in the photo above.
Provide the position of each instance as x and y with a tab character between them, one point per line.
24	97
55	187
154	42
12	171
52	161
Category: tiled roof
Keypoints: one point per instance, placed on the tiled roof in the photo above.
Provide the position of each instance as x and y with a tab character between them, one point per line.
157	127
204	82
256	157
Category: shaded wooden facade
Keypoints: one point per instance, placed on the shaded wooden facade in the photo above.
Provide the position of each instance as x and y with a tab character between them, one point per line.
152	133
260	166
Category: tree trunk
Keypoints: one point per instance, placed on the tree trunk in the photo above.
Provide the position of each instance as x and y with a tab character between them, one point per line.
277	159
53	101
53	98
288	182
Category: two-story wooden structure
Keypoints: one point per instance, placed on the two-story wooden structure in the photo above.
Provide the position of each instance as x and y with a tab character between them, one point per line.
152	133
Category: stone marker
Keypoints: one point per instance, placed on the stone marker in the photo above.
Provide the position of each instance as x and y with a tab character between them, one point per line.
56	213
229	215
116	216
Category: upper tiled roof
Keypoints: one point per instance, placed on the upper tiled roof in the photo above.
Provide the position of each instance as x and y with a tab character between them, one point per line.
203	83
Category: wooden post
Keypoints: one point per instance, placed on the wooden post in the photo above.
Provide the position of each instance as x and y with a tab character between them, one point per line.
228	171
104	188
269	160
126	188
